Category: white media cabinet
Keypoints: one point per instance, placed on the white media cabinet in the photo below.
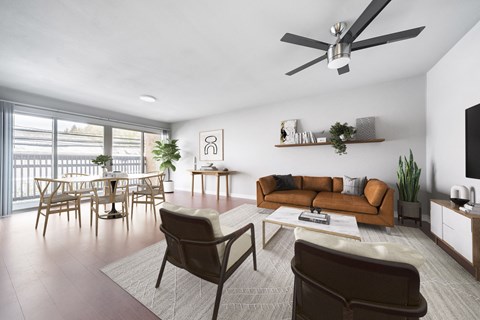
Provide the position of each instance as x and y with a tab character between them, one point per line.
459	231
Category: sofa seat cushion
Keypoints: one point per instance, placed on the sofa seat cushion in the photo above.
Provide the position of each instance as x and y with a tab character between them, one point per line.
388	251
239	247
344	202
295	197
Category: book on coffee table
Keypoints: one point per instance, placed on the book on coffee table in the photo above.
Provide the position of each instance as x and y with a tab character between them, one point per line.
322	218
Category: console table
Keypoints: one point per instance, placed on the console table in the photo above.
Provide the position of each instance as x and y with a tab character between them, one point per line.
218	174
458	231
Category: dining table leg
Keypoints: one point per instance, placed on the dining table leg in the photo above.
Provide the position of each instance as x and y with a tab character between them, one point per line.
113	213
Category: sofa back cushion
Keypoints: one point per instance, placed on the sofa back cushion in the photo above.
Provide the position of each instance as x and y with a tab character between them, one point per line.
268	184
375	191
337	184
317	184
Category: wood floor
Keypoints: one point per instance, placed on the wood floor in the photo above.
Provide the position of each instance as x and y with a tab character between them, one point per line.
58	276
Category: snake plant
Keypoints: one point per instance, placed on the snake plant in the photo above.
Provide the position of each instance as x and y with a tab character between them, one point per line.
408	175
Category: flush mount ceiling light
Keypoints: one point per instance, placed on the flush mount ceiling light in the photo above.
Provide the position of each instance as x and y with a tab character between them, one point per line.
147	98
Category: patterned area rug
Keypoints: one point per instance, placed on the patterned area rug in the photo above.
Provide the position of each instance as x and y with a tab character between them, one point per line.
266	294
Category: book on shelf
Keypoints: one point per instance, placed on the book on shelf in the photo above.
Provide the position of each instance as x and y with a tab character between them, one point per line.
322	218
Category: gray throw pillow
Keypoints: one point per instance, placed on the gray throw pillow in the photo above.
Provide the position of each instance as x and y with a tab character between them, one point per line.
354	186
284	182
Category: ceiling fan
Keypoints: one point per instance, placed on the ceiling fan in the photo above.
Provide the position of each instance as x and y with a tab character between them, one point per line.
338	54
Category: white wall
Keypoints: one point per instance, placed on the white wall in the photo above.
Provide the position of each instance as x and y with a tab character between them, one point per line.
250	136
453	85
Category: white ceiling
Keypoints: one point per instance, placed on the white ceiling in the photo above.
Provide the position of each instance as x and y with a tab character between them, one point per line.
211	56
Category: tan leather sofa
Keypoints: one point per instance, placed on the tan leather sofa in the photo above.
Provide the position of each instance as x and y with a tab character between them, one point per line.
374	207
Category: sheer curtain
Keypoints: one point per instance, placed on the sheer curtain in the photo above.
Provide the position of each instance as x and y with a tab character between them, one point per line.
6	156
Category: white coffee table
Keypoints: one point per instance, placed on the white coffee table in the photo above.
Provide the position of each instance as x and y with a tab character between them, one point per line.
340	225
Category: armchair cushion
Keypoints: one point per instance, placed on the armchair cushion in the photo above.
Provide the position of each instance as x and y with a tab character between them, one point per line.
376	250
210	214
239	247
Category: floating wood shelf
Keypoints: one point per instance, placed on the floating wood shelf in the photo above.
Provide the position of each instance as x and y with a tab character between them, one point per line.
325	143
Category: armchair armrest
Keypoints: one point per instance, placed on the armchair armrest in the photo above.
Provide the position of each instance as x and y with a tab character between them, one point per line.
406	311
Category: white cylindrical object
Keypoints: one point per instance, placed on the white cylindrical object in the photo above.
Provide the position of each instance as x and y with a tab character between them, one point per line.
460	192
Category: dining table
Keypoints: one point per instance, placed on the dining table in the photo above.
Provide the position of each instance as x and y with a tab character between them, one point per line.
111	178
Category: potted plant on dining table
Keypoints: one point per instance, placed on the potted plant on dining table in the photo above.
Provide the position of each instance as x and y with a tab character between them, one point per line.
103	160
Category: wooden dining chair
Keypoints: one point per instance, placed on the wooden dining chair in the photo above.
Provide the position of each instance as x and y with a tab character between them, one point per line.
109	191
81	189
55	201
150	193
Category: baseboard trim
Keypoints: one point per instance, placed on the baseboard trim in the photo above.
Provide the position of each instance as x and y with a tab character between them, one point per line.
234	195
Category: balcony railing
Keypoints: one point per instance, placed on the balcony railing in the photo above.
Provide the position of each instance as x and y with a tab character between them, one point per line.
28	166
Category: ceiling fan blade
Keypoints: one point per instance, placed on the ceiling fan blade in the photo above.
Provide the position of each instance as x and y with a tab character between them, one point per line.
367	16
306	42
388	38
306	65
343	70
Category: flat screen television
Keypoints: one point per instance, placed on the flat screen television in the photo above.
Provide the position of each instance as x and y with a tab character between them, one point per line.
472	142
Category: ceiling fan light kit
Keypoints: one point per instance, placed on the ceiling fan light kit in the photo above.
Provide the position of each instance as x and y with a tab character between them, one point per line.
338	54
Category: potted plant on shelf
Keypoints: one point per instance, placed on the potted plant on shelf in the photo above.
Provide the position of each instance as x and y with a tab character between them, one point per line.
340	133
167	152
103	160
408	175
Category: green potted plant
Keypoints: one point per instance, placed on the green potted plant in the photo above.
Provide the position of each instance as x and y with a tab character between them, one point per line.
339	134
103	160
167	153
408	185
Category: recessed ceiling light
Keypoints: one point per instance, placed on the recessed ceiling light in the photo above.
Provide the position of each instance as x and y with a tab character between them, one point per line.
148	98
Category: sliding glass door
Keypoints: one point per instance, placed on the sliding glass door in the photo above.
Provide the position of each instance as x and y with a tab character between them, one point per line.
47	147
32	155
127	151
77	144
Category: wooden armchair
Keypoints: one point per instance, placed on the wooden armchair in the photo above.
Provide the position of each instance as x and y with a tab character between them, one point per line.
330	284
55	201
192	245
